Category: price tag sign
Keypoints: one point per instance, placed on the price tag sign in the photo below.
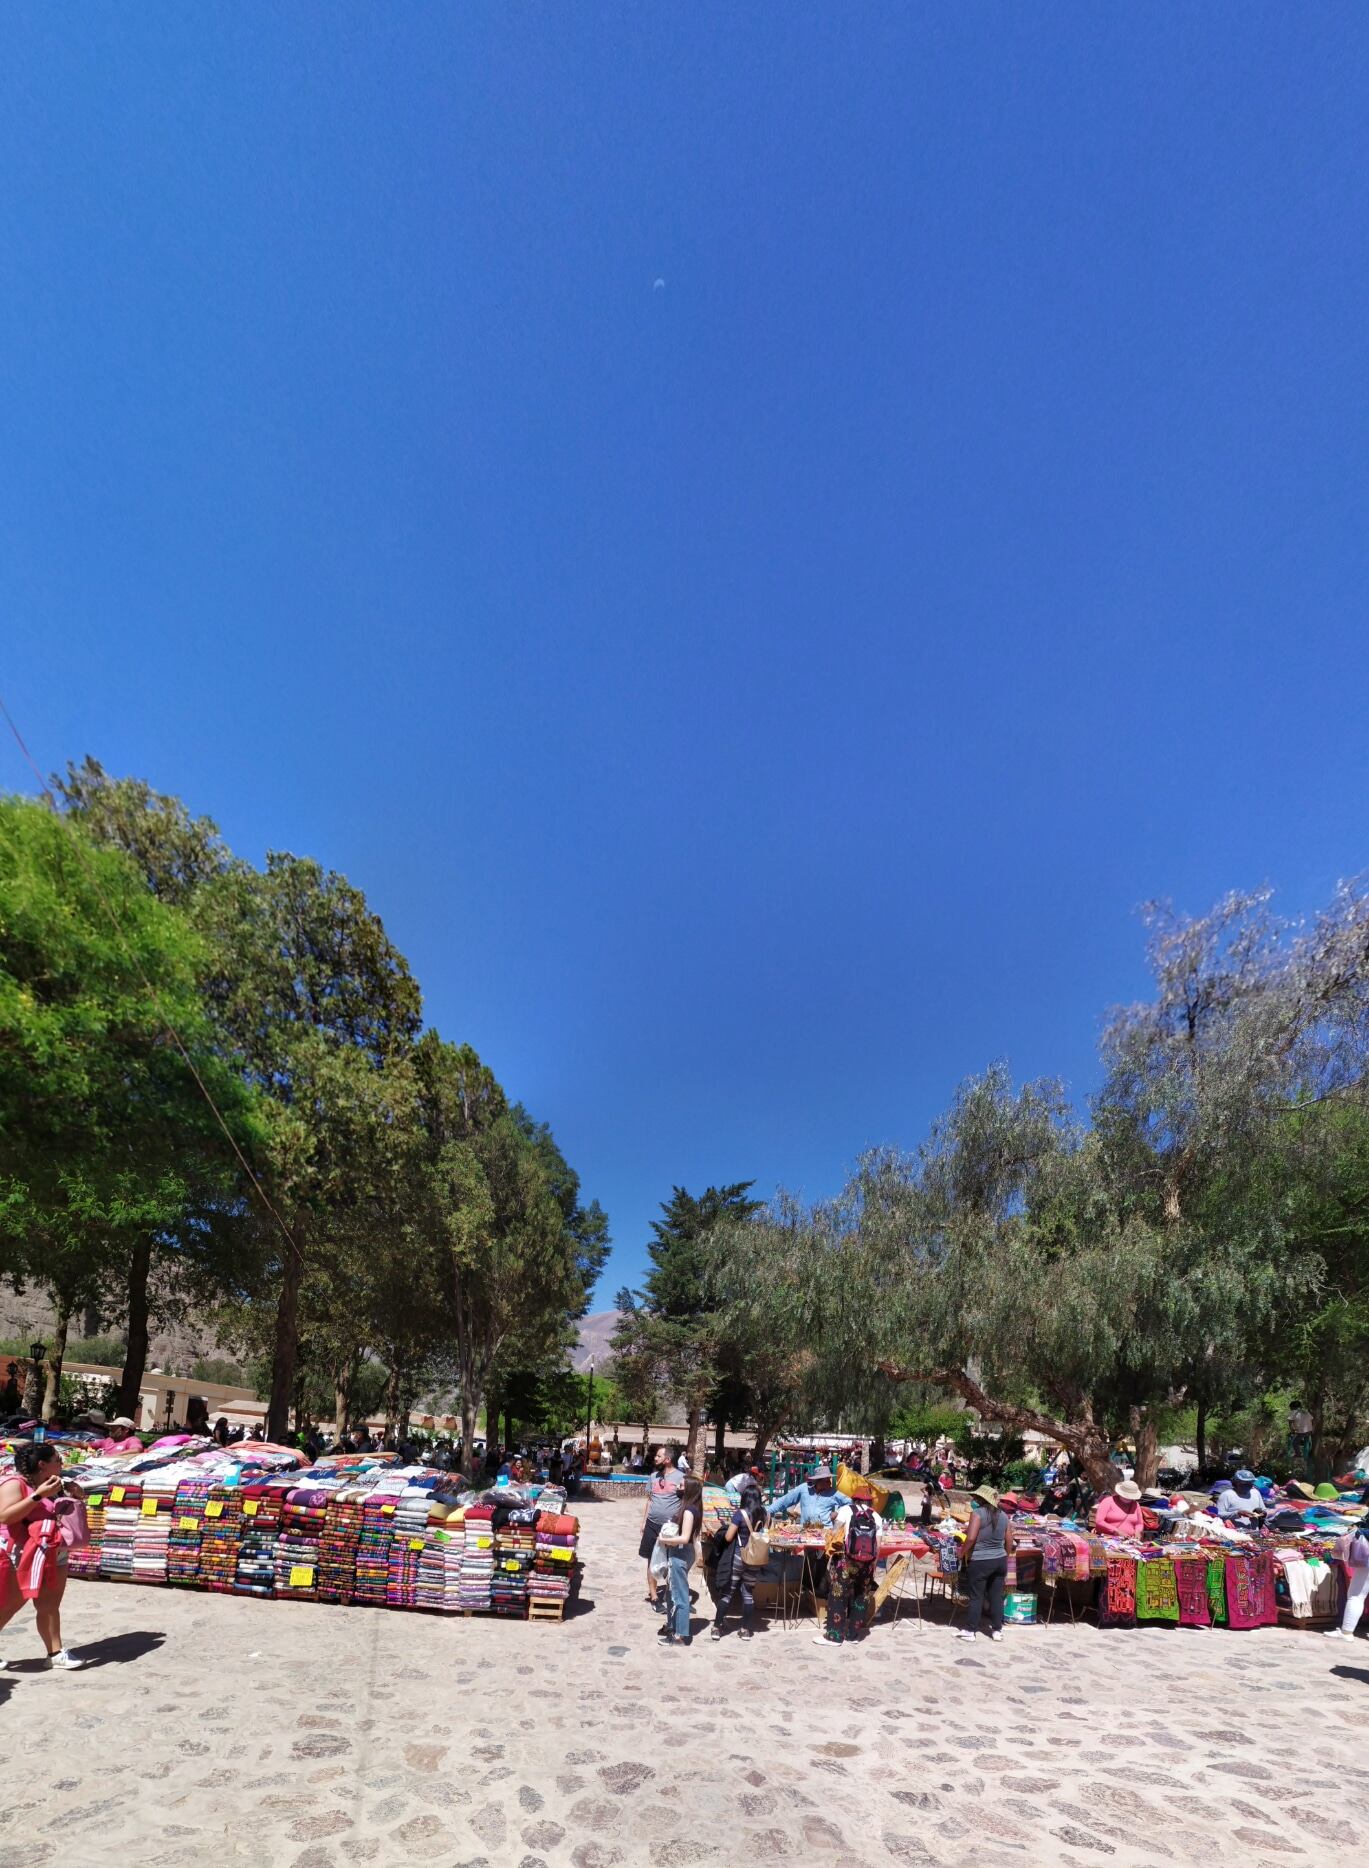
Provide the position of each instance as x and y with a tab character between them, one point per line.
149	1507
387	1511
95	1500
415	1543
116	1495
187	1524
249	1507
214	1509
301	1576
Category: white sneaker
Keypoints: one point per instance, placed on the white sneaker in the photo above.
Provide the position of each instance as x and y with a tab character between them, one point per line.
967	1635
994	1637
822	1640
63	1662
1334	1634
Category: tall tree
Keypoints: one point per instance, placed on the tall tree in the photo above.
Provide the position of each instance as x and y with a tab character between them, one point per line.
675	1322
103	1125
322	1011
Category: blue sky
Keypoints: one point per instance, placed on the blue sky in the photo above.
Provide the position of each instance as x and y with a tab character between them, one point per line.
753	701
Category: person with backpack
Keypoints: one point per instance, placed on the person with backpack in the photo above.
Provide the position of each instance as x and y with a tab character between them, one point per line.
988	1545
1353	1551
851	1574
744	1554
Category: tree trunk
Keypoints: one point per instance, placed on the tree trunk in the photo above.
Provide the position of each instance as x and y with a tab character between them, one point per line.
509	1424
92	1323
1083	1438
467	1435
53	1389
1200	1434
1147	1437
759	1450
392	1398
692	1446
719	1441
135	1355
285	1350
343	1381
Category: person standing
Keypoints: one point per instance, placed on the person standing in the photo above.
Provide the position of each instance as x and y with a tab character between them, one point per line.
745	1553
988	1545
33	1559
680	1538
1354	1553
851	1573
661	1500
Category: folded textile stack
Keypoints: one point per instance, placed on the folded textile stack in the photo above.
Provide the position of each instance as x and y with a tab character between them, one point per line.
554	1564
187	1527
84	1560
337	1550
515	1551
151	1533
439	1569
477	1557
373	1549
261	1513
123	1508
297	1547
219	1540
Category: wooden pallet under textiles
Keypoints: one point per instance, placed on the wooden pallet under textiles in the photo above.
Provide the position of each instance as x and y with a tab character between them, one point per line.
546	1609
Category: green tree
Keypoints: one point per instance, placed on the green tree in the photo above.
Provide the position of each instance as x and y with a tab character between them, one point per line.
322	1011
675	1322
104	1131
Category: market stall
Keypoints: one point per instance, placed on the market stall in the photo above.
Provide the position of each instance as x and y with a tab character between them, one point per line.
251	1519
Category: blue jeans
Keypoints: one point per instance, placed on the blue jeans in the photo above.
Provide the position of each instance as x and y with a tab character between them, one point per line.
679	1594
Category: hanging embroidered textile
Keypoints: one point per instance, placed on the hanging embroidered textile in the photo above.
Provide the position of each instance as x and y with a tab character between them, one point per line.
1118	1596
1250	1591
1190	1585
1157	1595
1216	1588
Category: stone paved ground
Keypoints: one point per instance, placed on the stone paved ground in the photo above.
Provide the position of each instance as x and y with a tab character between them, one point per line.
212	1731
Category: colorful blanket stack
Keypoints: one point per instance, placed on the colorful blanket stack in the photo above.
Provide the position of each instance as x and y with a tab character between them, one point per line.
84	1560
297	1547
187	1528
219	1540
337	1550
261	1514
477	1557
373	1550
151	1534
554	1563
123	1508
439	1569
515	1550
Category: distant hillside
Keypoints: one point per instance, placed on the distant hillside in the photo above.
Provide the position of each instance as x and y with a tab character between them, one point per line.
593	1346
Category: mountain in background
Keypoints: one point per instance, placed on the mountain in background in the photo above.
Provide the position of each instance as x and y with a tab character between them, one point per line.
596	1333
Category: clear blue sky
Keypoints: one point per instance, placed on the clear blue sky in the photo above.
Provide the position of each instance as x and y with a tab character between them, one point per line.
753	701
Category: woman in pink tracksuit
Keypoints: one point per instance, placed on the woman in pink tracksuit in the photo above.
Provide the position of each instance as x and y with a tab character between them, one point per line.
32	1555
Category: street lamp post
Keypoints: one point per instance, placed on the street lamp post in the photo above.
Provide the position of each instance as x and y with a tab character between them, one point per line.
589	1408
33	1385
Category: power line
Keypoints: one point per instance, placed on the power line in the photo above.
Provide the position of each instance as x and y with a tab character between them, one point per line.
168	1027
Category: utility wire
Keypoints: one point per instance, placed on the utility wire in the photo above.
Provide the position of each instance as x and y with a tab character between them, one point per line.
167	1026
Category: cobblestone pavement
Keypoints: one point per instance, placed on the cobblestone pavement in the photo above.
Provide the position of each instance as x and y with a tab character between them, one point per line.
210	1731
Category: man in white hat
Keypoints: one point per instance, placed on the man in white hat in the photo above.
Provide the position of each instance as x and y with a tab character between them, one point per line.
122	1437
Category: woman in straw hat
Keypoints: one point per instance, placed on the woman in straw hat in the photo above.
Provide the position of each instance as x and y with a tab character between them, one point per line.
988	1545
1119	1514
